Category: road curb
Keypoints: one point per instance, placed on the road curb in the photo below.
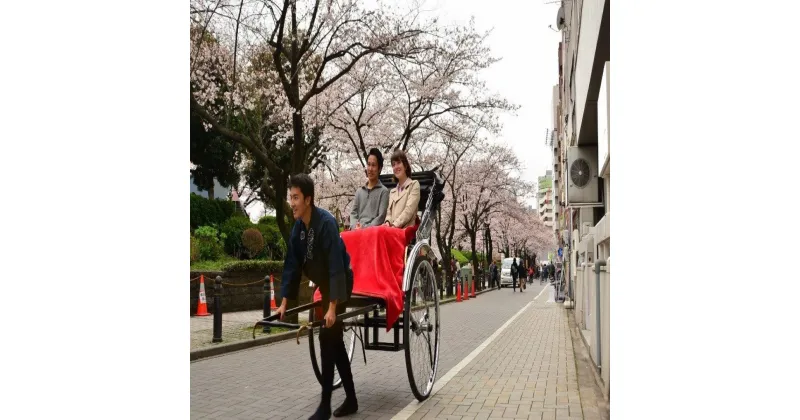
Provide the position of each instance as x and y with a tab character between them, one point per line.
221	349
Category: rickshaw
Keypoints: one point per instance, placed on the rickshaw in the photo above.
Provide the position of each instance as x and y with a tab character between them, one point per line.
419	323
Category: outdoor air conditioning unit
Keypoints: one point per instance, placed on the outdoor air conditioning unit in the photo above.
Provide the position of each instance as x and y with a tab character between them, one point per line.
582	177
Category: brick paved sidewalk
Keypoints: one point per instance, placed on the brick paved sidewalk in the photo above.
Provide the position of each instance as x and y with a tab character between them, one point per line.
236	326
527	372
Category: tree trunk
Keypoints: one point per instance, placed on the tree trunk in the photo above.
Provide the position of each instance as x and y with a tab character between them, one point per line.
298	151
473	235
211	191
283	219
490	256
448	278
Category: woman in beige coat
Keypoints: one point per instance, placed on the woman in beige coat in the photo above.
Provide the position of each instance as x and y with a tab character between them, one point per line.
403	198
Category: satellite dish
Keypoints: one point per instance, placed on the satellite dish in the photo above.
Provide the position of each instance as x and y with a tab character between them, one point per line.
561	21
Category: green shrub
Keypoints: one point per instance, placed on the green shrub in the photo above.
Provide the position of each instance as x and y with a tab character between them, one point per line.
459	256
275	267
205	212
194	250
274	248
210	242
281	246
468	255
233	229
267	220
253	241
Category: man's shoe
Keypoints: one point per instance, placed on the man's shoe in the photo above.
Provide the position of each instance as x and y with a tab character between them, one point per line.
348	407
321	414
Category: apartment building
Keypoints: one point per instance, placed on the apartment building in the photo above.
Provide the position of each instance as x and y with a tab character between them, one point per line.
582	169
544	196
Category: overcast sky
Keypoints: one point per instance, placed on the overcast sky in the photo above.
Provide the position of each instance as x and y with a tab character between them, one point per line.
527	72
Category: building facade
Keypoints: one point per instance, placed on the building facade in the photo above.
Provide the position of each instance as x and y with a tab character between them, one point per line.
544	199
582	169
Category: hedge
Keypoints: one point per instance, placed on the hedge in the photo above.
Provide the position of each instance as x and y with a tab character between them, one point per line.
275	267
205	212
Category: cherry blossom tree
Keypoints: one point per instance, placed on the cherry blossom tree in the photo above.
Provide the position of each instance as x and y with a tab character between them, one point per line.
323	40
406	102
520	232
336	184
264	74
490	174
458	142
310	85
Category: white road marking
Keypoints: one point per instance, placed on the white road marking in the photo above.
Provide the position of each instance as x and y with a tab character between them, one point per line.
540	293
414	405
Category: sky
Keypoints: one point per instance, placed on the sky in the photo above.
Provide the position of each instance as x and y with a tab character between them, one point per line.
526	73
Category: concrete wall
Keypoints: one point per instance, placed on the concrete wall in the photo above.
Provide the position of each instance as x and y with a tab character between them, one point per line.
605	325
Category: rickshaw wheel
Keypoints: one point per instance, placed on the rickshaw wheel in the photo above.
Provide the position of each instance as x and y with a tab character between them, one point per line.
421	329
314	348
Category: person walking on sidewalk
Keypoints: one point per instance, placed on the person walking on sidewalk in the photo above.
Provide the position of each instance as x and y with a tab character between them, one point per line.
493	274
316	249
514	275
542	274
458	272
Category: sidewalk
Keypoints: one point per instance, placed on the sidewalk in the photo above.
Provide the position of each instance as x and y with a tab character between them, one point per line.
527	372
236	326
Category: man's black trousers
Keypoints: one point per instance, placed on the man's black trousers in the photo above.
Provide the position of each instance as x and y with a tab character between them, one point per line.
333	352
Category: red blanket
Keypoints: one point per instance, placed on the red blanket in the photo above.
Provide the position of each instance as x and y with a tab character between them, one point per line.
376	255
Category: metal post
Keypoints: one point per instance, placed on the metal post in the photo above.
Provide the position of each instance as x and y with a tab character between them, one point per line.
597	265
267	302
217	310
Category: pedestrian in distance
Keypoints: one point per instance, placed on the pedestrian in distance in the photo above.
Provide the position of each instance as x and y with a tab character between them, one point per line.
514	275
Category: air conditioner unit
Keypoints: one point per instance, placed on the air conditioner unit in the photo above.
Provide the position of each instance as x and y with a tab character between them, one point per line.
581	173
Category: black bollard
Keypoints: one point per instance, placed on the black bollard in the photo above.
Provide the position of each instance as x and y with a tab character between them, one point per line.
267	302
217	310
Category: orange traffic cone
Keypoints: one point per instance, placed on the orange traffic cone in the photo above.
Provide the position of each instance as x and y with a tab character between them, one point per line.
202	308
458	292
272	293
473	288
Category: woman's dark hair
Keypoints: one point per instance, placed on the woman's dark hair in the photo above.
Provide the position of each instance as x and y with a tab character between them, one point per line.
400	156
378	155
304	183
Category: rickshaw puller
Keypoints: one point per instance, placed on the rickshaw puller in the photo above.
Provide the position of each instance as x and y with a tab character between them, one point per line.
316	248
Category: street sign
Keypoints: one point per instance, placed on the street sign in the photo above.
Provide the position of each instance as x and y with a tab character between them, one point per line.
560	252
